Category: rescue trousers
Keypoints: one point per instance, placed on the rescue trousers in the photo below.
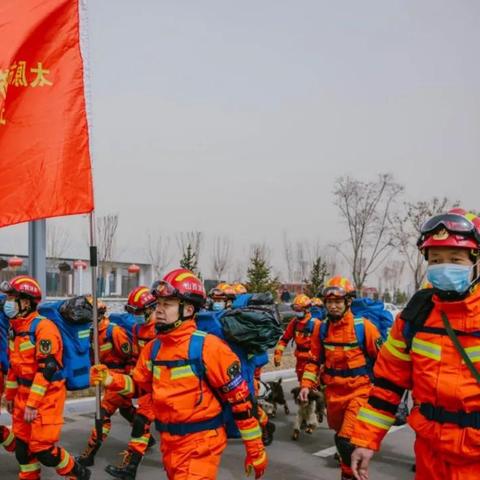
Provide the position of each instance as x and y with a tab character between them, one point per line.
434	465
195	456
140	435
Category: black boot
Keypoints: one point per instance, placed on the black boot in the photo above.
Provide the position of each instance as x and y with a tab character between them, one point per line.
87	458
127	470
79	472
267	433
151	441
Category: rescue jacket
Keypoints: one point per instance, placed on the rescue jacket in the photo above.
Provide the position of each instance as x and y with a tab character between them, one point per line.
183	403
446	396
26	380
115	347
299	330
343	359
142	334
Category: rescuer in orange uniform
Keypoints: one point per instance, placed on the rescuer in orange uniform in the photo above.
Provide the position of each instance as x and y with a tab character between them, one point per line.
421	356
141	303
187	409
35	389
299	329
116	353
7	438
345	370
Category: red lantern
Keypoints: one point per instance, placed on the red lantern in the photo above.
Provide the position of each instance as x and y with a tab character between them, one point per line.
80	265
15	262
133	268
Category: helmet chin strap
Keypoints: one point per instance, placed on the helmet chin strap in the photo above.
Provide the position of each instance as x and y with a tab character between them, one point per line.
176	324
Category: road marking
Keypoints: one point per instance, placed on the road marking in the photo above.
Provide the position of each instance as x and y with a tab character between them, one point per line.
328	452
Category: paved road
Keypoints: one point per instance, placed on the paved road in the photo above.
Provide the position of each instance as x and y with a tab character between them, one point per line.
288	460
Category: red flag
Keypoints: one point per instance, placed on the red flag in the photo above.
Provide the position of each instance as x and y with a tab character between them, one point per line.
45	168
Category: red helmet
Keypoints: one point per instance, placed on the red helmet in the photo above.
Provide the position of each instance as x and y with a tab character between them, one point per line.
182	284
301	302
139	299
339	287
457	229
22	286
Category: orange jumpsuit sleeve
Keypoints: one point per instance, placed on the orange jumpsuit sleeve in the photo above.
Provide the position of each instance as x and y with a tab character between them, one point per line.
223	373
311	372
121	343
48	353
373	339
11	386
392	376
286	337
140	378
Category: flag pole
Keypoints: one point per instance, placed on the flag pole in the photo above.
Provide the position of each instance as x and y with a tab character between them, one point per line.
96	352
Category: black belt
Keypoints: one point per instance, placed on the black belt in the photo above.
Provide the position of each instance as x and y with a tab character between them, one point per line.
24	382
302	349
461	418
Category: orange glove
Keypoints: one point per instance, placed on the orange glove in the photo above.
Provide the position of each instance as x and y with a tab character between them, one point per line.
256	459
277	359
100	375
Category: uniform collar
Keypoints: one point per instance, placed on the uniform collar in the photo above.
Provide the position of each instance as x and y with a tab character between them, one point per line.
19	323
469	306
182	332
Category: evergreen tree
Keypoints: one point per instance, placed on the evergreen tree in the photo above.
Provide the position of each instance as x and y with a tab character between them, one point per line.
259	274
318	273
189	260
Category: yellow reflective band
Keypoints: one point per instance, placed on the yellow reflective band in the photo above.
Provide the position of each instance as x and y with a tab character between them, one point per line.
376	419
156	372
26	346
64	462
38	389
148	364
181	372
141	440
473	353
8	441
309	376
328	347
140	293
11	345
251	433
358	321
390	346
280	347
12	385
30	467
129	387
183	276
84	334
260	460
105	347
199	333
106	430
427	349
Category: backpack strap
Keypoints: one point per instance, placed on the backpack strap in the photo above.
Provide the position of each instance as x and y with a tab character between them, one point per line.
109	332
359	326
33	328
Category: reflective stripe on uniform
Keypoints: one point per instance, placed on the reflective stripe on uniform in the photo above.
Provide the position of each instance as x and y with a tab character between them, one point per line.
11	384
181	372
26	346
156	372
251	433
129	387
309	376
8	441
30	467
392	345
64	462
105	347
427	349
141	440
473	353
148	364
280	347
38	389
84	334
376	419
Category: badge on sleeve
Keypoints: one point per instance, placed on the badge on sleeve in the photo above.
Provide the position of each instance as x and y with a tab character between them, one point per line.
45	347
126	349
233	370
379	343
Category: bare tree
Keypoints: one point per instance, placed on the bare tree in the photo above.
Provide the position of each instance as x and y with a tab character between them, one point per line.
366	208
289	257
221	256
406	226
58	240
392	275
106	235
158	253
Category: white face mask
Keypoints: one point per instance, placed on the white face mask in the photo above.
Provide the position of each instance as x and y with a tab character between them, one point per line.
10	308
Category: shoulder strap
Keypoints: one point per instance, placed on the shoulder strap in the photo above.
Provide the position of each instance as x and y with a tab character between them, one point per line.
309	326
155	349
33	328
324	330
109	332
195	353
359	325
458	346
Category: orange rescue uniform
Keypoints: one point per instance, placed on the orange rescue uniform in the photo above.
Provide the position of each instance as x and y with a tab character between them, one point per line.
28	387
300	331
342	357
7	439
181	400
446	412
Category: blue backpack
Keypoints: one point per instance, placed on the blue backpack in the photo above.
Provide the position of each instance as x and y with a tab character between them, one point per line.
209	322
125	321
4	326
76	346
319	313
374	310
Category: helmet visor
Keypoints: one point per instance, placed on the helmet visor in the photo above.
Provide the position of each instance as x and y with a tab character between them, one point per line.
338	292
6	287
453	222
162	289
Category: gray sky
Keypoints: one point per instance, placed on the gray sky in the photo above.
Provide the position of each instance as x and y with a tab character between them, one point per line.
236	117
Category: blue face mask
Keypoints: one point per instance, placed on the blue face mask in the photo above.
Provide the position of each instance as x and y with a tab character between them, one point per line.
140	319
450	277
218	306
10	308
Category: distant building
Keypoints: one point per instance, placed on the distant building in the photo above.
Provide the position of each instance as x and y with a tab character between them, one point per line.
71	276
